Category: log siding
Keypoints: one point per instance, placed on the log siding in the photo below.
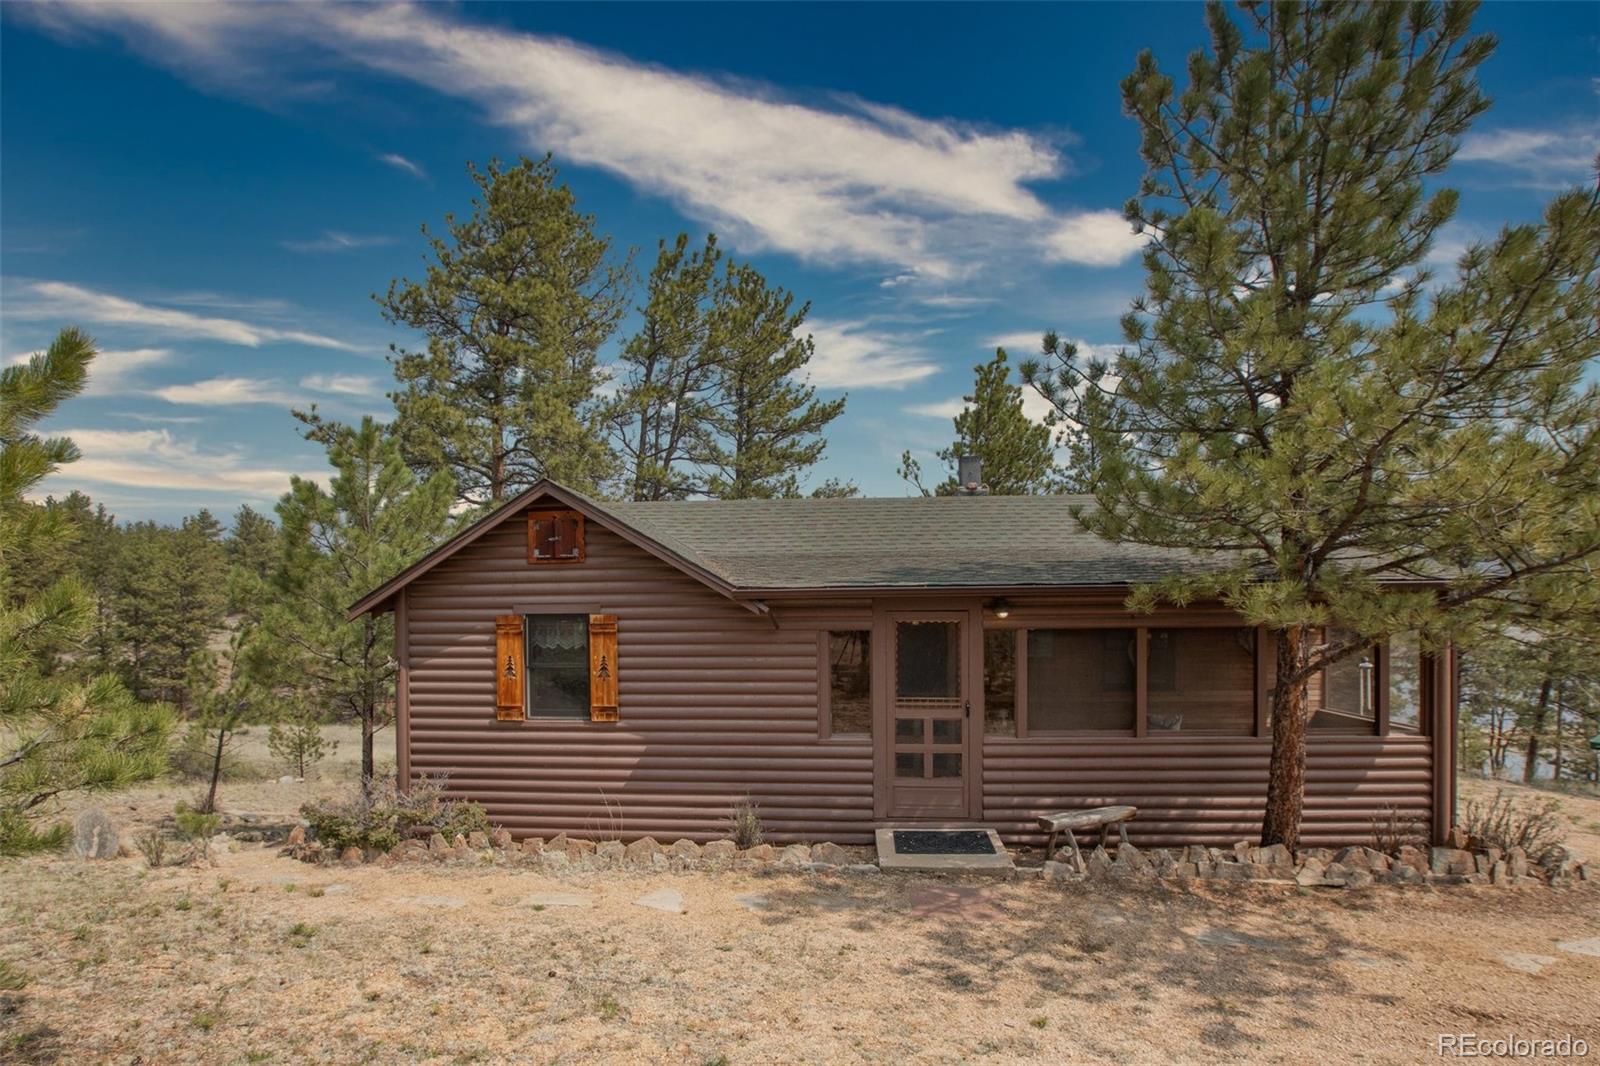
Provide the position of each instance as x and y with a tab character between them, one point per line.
720	701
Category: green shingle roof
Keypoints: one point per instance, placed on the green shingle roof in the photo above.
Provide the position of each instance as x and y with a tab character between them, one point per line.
905	542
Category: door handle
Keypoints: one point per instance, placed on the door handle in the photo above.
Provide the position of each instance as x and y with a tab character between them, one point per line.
966	708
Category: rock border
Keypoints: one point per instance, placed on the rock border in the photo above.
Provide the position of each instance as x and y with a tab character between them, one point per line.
1348	867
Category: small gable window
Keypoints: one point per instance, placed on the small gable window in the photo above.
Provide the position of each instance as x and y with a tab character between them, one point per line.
555	537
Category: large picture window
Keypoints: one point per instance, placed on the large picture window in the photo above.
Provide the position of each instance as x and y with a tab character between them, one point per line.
558	665
1080	679
1203	680
849	682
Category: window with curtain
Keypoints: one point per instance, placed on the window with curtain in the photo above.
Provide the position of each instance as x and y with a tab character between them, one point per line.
558	665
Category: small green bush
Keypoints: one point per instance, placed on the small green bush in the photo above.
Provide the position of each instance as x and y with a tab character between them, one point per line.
196	826
152	844
387	816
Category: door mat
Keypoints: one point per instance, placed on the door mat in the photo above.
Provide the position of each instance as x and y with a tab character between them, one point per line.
943	842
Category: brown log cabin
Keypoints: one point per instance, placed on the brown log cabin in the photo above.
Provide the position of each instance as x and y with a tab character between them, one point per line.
633	669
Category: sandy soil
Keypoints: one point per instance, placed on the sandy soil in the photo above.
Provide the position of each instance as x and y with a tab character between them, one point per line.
263	959
1581	810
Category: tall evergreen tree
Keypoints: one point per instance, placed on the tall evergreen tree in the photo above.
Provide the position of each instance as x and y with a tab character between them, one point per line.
661	412
766	424
1291	392
1016	451
516	303
63	727
169	599
374	518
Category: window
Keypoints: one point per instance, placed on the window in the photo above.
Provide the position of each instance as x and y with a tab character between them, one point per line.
1202	681
555	537
1080	679
1000	682
1344	697
849	682
558	666
1405	684
928	660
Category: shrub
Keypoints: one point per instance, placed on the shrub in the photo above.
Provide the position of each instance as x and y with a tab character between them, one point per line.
152	844
1502	822
386	816
744	823
1394	829
197	827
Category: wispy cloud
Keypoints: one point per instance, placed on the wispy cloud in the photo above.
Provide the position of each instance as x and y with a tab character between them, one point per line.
400	162
1036	407
57	300
112	371
157	459
1545	158
344	384
335	241
852	181
854	355
229	392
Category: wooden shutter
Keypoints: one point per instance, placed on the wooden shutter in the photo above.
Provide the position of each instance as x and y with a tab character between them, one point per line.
602	668
510	686
555	537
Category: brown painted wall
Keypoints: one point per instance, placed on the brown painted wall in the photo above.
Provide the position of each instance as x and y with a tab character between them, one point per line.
718	703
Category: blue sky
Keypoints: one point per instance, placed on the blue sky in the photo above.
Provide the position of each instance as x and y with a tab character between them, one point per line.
215	191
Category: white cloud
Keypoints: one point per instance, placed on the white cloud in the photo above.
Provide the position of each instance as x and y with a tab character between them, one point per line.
938	408
852	355
335	241
400	162
57	300
1018	344
855	181
228	392
112	370
1094	238
345	384
1549	158
156	459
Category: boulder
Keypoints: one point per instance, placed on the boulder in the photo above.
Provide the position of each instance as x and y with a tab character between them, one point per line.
1358	879
830	853
1411	855
501	838
1335	873
1057	871
1186	871
532	845
1517	861
438	844
580	849
641	852
1231	871
554	861
94	835
1272	855
1457	838
1451	861
1196	854
296	837
761	853
796	855
477	840
1098	863
863	868
557	843
610	853
1352	858
1130	862
1241	851
351	855
1311	872
684	849
719	851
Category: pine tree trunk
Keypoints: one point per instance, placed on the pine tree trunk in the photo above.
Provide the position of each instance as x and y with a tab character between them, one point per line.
1530	767
216	772
1286	773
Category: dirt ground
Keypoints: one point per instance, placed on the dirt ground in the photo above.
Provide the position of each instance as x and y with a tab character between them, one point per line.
260	958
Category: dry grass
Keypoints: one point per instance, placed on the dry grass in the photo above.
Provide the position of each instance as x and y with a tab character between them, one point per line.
264	959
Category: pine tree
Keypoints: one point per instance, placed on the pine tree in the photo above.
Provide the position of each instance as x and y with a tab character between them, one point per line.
1016	451
1297	393
660	416
516	304
766	425
63	728
375	517
228	695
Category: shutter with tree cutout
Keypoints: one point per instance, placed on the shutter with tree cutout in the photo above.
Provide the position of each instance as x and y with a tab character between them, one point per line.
510	689
602	668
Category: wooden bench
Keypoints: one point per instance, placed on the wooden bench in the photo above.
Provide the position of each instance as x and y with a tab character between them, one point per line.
1102	818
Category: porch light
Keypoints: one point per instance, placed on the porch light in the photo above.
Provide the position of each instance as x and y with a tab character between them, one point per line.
1001	609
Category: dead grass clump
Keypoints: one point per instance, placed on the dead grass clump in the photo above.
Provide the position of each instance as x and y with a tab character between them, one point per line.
744	824
1395	829
379	819
1534	826
152	844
